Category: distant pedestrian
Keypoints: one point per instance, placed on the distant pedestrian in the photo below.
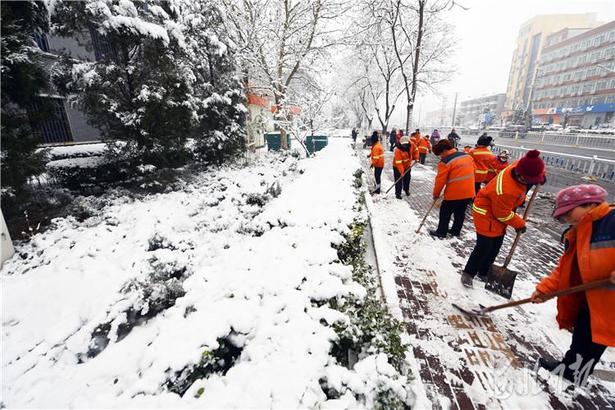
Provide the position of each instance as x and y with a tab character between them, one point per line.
377	159
589	255
456	177
402	163
424	147
494	210
392	139
454	138
354	134
435	137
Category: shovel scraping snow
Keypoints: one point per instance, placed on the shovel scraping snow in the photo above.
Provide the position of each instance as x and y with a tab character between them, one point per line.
500	279
580	288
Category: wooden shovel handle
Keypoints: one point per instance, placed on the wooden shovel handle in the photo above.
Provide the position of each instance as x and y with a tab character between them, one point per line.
427	214
563	292
399	179
518	236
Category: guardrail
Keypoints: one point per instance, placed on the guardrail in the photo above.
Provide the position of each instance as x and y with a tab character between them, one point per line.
592	167
595	141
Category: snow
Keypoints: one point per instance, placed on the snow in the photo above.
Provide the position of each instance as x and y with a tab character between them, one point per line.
251	276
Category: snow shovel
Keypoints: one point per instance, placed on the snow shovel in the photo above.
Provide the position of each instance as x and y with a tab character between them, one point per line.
427	214
580	288
500	279
400	178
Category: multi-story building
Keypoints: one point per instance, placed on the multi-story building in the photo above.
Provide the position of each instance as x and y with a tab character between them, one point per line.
532	35
575	82
483	111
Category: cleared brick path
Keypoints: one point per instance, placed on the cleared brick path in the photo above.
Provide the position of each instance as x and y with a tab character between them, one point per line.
463	361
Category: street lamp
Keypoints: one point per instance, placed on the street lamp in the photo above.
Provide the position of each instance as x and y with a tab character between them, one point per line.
529	98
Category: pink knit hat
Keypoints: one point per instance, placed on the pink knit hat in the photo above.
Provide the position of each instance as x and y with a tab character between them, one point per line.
576	195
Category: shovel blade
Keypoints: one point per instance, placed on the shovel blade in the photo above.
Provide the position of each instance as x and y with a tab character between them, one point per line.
501	280
469	312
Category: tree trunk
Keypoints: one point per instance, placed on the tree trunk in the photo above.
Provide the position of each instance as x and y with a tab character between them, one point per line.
415	68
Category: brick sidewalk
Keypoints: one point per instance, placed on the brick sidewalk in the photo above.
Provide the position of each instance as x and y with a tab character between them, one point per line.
457	355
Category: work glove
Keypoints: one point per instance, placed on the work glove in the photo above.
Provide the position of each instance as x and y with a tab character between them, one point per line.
538	297
521	230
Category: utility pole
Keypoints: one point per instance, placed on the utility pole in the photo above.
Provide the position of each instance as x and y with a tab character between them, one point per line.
454	111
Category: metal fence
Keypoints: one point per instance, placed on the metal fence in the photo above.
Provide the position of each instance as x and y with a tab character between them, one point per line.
592	167
603	142
585	140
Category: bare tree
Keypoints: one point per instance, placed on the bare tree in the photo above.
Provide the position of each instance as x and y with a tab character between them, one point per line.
421	41
281	38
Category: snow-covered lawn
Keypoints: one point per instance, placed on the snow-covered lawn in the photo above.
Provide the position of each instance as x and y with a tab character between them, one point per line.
213	296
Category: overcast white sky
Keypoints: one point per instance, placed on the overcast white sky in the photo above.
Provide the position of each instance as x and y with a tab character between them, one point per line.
487	33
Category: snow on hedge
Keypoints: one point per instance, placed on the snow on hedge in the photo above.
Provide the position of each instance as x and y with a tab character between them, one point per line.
214	296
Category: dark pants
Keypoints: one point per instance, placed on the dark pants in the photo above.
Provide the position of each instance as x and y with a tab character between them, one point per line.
392	145
455	208
477	187
583	346
422	157
404	183
484	254
377	174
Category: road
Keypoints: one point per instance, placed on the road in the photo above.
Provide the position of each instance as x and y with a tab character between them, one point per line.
564	149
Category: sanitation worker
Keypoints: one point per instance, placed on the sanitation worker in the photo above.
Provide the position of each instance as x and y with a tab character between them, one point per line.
494	210
377	157
456	177
484	160
501	162
589	255
424	147
402	163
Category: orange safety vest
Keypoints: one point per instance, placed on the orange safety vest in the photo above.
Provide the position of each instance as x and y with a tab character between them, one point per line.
401	160
494	205
589	256
377	155
485	163
424	146
456	171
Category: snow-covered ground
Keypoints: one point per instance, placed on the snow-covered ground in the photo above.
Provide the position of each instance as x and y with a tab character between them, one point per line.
217	292
500	378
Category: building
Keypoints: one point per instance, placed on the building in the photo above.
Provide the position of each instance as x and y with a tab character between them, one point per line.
532	35
575	82
483	111
68	123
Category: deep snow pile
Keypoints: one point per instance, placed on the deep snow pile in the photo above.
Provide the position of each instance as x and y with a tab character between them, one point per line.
219	295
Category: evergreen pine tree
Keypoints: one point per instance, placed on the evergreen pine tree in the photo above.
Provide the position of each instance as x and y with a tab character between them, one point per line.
135	91
22	81
220	130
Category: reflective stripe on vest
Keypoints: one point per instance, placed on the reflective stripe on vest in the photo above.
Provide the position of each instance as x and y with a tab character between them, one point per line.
481	171
479	210
482	153
499	185
507	218
460	178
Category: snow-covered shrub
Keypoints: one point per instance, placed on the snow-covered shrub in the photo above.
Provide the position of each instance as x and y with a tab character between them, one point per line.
218	360
371	331
144	297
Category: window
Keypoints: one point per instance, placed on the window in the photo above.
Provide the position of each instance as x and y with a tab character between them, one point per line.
55	128
42	41
601	85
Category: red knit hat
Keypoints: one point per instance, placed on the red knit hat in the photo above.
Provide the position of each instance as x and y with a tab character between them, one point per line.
577	195
531	167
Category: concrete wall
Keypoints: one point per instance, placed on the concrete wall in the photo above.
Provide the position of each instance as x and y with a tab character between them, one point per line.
79	127
6	247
